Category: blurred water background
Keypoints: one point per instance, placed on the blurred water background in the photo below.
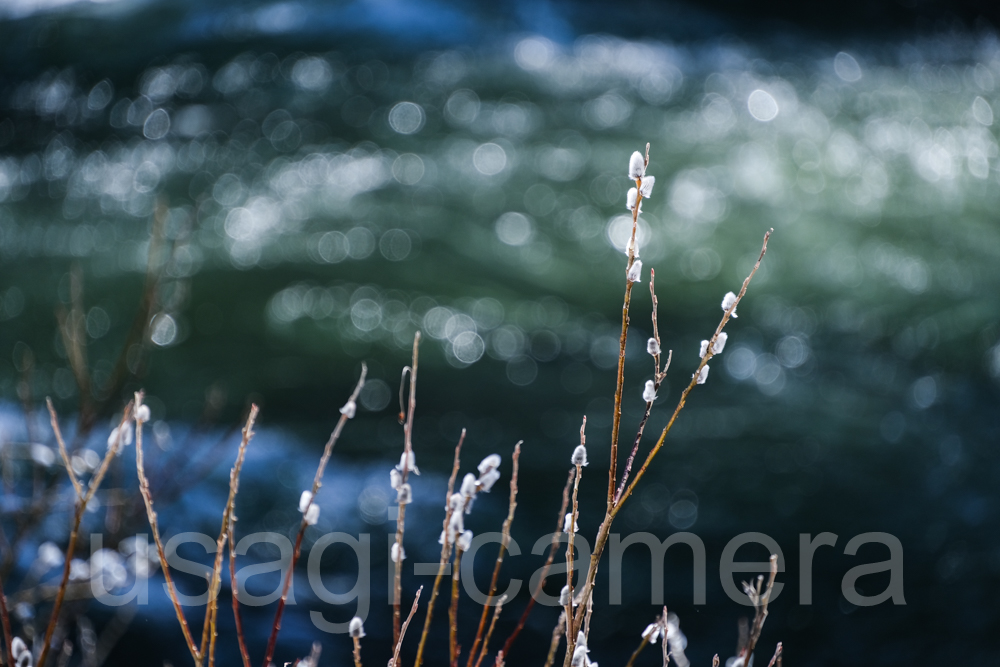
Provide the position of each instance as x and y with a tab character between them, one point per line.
330	178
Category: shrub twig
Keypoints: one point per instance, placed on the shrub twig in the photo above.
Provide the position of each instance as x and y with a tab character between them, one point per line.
401	519
402	633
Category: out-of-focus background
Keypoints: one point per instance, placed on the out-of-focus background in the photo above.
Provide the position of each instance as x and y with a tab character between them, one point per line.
228	202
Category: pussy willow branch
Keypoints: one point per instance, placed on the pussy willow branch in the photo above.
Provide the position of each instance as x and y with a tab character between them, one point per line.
237	616
446	546
658	377
208	627
571	625
402	633
489	633
635	654
760	600
8	636
317	483
617	416
553	548
453	648
776	658
62	448
557	633
504	541
401	519
357	651
605	529
81	507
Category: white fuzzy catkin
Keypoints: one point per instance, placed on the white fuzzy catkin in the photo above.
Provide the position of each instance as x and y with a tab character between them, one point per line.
457	502
652	632
305	500
408	462
142	413
720	343
349	409
703	375
491	462
652	347
579	457
703	349
395	478
636	166
470	486
649	393
397	553
635	272
312	514
464	541
647	186
728	301
356	628
631	198
488	479
568	523
564	596
404	494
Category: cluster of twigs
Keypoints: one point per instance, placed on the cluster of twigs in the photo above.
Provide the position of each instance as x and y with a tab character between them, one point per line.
577	597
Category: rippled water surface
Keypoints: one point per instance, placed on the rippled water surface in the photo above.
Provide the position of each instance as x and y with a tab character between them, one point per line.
316	208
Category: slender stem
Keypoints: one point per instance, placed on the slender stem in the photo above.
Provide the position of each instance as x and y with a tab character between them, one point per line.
489	633
453	648
504	541
147	499
399	643
62	448
317	483
208	627
776	658
81	507
620	383
357	651
401	520
605	529
445	551
571	626
553	548
635	654
557	632
237	616
8	636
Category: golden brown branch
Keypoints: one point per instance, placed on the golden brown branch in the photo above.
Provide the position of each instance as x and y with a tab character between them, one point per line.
402	634
401	519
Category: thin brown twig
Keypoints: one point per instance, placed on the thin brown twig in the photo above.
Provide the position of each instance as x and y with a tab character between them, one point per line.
776	658
504	541
453	648
357	651
605	529
81	507
635	654
446	546
553	548
571	624
620	382
345	414
8	636
760	599
237	616
147	499
489	633
658	377
557	633
62	448
401	519
402	633
208	627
